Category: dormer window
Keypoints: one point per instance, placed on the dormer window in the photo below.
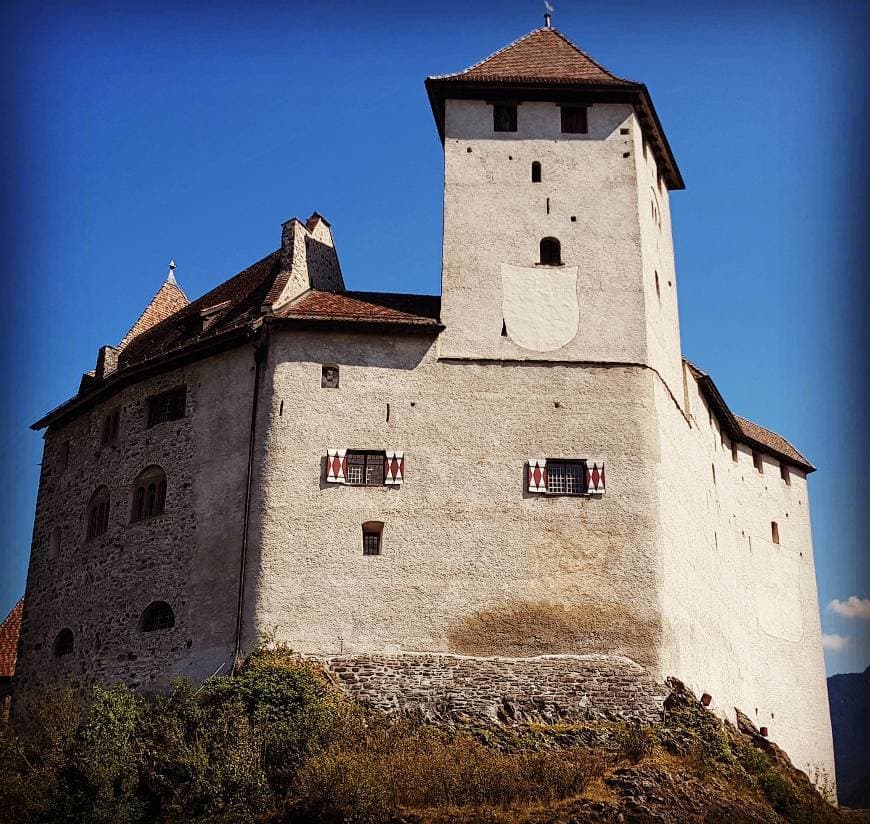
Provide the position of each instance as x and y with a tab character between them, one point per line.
574	120
504	118
551	252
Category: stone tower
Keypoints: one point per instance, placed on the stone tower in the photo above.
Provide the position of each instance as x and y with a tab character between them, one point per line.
557	233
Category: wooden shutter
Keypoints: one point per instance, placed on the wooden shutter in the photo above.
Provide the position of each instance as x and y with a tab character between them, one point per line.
336	463
394	468
537	475
595	477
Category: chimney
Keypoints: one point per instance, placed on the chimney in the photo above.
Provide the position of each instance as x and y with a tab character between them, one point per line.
107	362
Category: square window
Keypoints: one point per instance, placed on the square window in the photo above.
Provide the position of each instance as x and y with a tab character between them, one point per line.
167	406
574	120
566	477
504	118
365	468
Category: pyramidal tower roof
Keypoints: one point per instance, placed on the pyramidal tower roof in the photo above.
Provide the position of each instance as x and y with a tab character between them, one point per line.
543	55
546	65
167	301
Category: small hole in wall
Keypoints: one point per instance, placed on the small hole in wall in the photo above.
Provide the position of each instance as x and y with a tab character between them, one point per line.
670	284
623	131
388	413
557	405
626	154
510	157
468	150
281	409
413	403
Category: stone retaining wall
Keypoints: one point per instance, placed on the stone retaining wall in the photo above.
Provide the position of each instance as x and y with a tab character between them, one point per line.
546	688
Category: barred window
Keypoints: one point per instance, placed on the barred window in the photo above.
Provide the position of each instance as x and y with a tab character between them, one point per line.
365	468
167	406
372	531
157	615
566	477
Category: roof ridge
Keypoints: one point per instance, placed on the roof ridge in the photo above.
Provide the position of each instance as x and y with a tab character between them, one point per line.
488	57
590	58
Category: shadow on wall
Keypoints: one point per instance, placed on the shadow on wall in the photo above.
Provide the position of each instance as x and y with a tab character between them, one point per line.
522	629
385	352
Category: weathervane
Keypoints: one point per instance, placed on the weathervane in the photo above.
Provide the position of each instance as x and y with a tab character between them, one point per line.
171	276
548	10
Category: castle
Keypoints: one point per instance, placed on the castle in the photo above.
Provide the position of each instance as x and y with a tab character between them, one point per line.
517	492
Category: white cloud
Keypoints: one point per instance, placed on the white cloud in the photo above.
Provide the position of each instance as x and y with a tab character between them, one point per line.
852	607
834	642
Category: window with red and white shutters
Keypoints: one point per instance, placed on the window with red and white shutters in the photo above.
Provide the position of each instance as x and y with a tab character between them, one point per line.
563	476
357	467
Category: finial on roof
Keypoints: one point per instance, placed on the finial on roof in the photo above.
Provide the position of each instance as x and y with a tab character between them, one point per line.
548	10
170	278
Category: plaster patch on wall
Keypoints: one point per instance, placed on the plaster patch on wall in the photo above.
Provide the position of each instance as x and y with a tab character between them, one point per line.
540	306
777	591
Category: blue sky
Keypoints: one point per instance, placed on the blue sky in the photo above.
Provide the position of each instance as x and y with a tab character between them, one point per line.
192	130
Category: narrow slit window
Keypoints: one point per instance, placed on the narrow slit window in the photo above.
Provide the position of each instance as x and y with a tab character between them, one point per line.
784	474
757	462
774	532
98	513
536	171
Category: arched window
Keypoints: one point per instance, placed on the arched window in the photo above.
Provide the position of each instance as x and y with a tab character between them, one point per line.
54	544
63	643
98	513
536	171
157	615
149	494
551	252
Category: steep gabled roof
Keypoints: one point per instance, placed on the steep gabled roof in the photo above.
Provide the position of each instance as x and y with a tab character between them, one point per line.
168	300
10	629
543	55
744	430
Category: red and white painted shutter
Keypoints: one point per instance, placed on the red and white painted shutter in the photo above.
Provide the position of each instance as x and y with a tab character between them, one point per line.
336	464
394	468
595	477
537	474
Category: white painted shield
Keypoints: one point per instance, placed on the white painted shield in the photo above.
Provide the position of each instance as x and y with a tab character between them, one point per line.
540	306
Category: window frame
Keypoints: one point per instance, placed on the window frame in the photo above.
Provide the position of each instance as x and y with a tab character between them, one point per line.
568	111
375	530
98	514
511	110
111	427
148	497
153	608
367	454
582	463
172	402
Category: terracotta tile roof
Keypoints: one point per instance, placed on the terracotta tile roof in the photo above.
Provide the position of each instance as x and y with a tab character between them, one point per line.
776	443
9	632
377	307
168	300
741	429
543	55
235	302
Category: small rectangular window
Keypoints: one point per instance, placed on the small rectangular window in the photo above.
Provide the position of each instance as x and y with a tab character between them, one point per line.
774	532
504	118
365	468
566	477
372	531
167	406
574	120
111	424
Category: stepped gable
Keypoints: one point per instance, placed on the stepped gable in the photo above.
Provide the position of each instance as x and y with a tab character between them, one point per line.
168	300
744	430
375	307
543	55
10	629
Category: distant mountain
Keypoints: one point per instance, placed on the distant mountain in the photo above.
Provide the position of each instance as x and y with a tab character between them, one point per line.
849	697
